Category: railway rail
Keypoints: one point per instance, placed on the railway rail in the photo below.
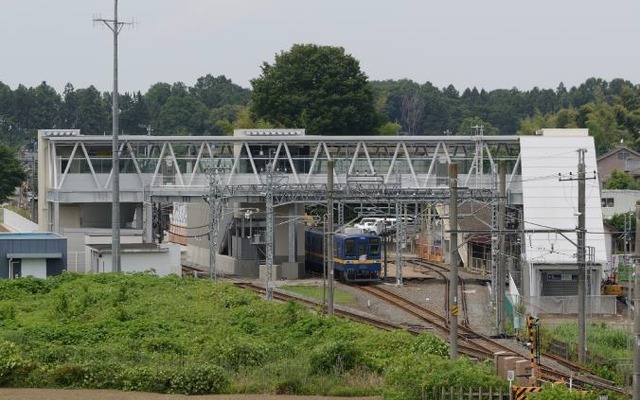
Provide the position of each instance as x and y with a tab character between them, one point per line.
471	344
462	292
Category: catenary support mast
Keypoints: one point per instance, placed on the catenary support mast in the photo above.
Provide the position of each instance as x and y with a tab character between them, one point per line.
115	26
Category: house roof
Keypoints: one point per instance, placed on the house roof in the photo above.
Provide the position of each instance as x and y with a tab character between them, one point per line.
474	217
618	149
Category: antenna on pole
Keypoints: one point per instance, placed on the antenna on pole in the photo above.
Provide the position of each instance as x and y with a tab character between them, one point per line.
115	26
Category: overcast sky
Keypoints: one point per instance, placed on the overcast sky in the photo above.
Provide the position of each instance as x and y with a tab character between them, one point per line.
490	44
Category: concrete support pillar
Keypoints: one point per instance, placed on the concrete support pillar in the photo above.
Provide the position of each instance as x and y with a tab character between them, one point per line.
292	237
147	222
54	209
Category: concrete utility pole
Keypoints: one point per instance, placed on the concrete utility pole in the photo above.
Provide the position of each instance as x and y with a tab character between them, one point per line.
270	231
582	265
636	317
215	210
502	259
400	240
115	26
330	233
581	231
453	260
399	232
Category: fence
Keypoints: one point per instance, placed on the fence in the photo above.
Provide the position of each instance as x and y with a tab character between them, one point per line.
451	393
595	305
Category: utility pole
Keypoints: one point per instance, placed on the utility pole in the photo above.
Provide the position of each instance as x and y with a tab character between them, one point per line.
399	232
270	234
115	26
636	317
453	260
330	232
215	211
581	256
582	265
502	268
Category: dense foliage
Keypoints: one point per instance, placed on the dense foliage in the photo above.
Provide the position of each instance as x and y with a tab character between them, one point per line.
182	335
322	89
318	88
12	173
607	347
622	181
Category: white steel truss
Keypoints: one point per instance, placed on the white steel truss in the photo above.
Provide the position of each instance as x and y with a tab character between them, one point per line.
401	168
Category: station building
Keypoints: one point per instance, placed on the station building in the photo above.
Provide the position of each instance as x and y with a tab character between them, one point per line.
167	185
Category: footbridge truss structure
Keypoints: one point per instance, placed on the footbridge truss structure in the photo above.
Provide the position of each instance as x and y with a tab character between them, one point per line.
273	167
405	169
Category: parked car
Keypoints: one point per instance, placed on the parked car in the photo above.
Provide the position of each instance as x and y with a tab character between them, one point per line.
368	224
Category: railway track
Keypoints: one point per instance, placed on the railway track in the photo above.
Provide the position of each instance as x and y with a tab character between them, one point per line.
487	347
462	293
471	344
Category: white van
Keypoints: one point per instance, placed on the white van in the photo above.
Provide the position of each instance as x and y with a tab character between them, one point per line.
368	224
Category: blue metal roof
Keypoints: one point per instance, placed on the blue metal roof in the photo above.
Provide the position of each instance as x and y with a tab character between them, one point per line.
29	235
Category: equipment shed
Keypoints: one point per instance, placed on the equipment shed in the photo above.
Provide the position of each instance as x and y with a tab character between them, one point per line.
37	254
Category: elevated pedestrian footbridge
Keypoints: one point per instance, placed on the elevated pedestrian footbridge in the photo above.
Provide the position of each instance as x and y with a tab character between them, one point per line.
78	168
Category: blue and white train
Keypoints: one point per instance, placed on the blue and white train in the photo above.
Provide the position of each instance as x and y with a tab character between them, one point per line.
356	257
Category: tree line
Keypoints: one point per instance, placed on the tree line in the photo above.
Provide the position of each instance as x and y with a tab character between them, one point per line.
323	90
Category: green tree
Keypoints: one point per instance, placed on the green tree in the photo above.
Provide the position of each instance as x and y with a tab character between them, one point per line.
134	116
182	115
92	114
244	120
389	129
621	180
11	172
69	109
219	91
156	97
530	125
46	110
319	88
604	125
471	126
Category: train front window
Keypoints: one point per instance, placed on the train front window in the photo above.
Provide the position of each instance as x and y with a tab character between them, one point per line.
374	246
350	247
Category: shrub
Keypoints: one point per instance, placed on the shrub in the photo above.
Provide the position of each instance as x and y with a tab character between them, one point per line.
335	357
198	379
144	379
12	366
431	345
238	354
68	375
289	386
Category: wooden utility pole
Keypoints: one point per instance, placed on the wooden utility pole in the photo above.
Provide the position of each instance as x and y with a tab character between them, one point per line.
453	260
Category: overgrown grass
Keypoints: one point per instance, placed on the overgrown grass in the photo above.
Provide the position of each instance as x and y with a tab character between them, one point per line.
606	346
183	335
317	293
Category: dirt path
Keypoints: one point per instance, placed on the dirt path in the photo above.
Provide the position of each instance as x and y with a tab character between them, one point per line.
63	394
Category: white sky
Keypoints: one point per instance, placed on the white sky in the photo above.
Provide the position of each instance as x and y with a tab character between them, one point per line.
488	44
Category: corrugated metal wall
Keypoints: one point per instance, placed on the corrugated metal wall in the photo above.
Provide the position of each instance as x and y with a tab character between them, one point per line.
35	245
560	283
